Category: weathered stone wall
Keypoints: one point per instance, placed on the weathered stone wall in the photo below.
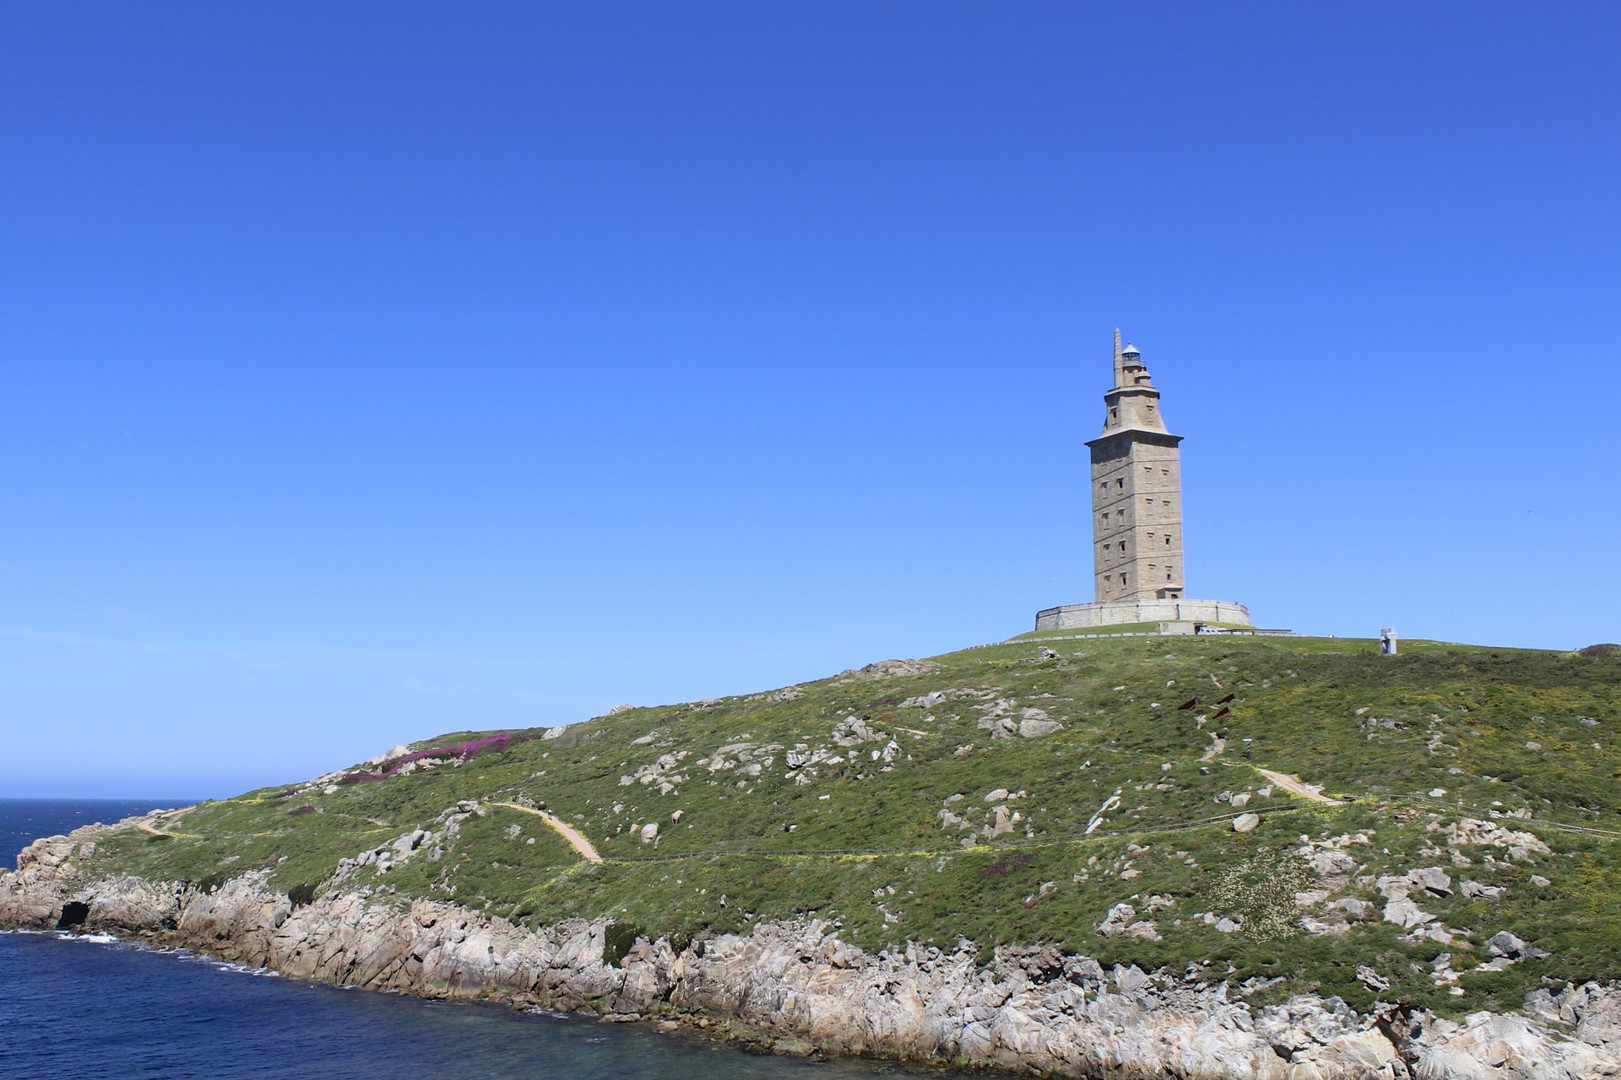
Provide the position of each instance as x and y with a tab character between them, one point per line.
1137	517
1115	612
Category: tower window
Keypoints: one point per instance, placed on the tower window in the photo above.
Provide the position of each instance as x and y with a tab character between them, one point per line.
1120	483
1122	545
1167	538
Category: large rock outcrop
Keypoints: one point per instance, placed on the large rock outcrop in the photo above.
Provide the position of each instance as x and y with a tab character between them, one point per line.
799	985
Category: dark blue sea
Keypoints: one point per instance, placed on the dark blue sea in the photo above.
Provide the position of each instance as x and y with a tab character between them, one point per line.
87	1008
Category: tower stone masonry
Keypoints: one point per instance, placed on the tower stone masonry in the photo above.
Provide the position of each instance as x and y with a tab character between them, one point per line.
1137	572
1136	491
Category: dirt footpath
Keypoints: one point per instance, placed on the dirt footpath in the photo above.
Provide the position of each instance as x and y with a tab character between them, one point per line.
1314	792
565	830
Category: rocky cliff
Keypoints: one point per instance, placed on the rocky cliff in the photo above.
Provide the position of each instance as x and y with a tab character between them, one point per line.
796	986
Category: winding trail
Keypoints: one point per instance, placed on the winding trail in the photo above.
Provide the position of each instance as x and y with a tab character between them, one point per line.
146	826
1314	792
565	830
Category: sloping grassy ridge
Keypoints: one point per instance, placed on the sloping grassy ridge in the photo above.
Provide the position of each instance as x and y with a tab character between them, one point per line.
880	818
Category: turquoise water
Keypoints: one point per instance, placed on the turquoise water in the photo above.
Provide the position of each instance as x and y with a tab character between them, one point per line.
91	1008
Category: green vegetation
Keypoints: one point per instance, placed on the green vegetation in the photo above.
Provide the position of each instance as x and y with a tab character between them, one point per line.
882	823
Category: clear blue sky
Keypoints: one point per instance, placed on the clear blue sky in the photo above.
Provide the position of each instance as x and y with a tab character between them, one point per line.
370	371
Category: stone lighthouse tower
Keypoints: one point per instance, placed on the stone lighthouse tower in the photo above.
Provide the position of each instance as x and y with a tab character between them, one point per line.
1136	491
1136	481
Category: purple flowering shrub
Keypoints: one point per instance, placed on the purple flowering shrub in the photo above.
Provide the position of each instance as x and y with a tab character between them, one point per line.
461	753
998	868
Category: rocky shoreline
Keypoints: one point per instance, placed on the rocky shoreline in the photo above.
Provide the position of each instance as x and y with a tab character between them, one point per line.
797	988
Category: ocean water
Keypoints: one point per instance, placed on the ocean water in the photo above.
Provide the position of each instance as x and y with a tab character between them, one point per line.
89	1007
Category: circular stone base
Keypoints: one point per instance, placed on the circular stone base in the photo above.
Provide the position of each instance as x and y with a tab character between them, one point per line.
1115	612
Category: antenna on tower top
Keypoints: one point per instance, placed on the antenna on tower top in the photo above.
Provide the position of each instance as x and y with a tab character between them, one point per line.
1119	368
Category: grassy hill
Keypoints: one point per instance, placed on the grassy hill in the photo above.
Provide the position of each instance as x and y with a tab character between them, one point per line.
999	796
